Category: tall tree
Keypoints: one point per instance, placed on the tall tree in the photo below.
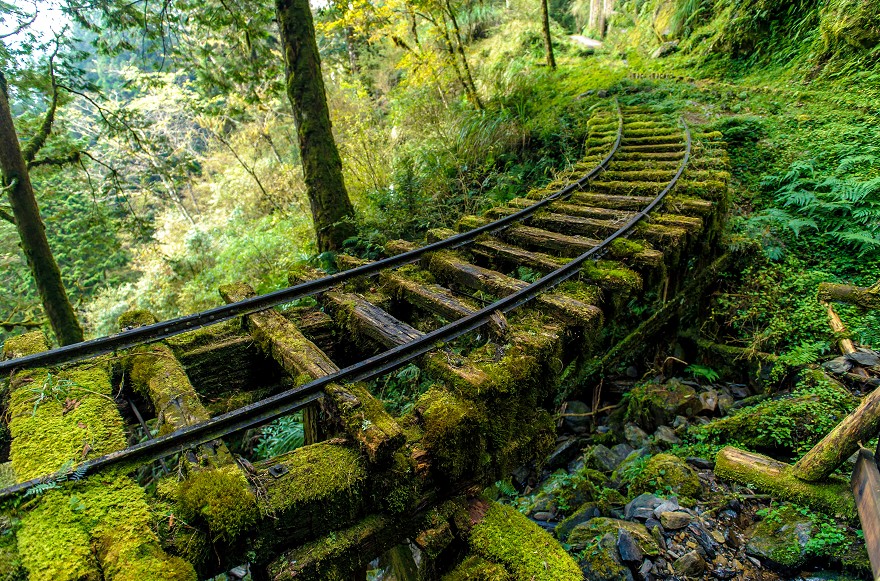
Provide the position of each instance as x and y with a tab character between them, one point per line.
26	215
548	41
332	211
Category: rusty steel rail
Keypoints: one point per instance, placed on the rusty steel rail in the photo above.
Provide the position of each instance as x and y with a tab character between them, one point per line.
165	329
281	404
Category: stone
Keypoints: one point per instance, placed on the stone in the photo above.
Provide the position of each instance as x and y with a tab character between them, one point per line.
602	563
722	573
628	548
739	391
864	357
679	422
706	542
622	451
632	372
645	569
725	403
654	404
667	472
781	539
675	519
635	436
691	564
565	451
646	500
543	516
634	457
642	513
583	514
700	463
602	458
666	435
708	402
586	533
667	505
575	424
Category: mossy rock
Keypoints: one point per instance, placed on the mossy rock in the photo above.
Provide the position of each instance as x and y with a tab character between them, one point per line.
667	473
600	560
781	537
656	404
585	534
854	23
527	552
477	569
791	424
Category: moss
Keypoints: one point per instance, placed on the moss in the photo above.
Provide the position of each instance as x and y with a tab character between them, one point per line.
221	498
475	568
781	537
7	475
11	568
586	533
832	496
790	424
623	248
97	528
135	318
454	433
651	404
505	536
324	478
338	555
667	473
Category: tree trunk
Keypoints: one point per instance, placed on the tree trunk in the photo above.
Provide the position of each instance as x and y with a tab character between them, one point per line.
548	41
865	297
331	209
32	231
352	51
464	62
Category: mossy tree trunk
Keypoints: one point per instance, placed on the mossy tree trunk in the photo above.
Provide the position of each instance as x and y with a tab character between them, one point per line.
322	167
32	231
548	41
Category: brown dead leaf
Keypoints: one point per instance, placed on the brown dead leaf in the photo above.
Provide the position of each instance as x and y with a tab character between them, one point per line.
70	404
86	449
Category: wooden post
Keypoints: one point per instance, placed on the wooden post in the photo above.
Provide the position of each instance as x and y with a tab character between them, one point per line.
866	488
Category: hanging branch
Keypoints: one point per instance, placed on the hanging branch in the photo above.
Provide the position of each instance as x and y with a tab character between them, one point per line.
22	25
37	141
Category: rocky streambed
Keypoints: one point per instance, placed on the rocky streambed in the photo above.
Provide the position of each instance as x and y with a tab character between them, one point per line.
631	493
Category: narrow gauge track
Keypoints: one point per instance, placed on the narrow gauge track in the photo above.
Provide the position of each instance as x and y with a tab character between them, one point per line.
273	407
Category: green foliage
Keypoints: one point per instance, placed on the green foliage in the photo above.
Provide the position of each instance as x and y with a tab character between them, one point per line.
283	435
399	391
702	372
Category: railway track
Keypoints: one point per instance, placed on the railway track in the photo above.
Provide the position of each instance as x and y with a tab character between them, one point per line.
643	202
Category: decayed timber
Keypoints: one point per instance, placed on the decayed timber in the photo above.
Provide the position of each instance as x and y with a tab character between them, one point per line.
865	297
840	443
156	374
652	232
865	484
448	265
430	297
768	475
302	359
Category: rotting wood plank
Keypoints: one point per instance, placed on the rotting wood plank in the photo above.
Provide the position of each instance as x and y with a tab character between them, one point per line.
574	312
430	297
654	233
371	321
866	490
301	358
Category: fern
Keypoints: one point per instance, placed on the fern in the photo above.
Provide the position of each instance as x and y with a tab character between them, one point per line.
41	488
281	436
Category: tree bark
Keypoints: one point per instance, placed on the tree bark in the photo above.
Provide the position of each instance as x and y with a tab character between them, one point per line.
548	41
475	97
322	167
32	231
865	297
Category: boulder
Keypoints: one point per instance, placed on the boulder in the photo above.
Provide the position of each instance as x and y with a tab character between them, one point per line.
675	519
691	564
573	423
668	473
656	404
781	537
635	436
583	535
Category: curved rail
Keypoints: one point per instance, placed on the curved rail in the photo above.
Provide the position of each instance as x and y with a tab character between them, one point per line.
165	329
281	404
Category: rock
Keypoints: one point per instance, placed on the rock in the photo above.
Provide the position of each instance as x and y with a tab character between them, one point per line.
634	457
565	452
706	542
655	404
646	500
575	424
628	548
585	513
691	564
636	436
667	505
543	516
667	472
722	573
666	435
781	539
632	372
642	514
675	519
700	463
601	458
602	562
540	503
585	534
838	365
739	391
602	93
708	402
725	403
622	451
645	569
864	357
679	422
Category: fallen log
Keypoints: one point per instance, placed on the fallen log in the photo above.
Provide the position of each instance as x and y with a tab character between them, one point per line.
865	297
831	496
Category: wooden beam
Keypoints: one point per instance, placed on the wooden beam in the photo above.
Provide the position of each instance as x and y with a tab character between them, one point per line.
866	489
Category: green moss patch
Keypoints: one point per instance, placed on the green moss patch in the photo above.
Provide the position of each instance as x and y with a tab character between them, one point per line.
667	474
505	536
